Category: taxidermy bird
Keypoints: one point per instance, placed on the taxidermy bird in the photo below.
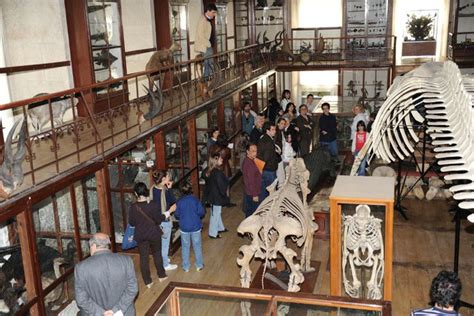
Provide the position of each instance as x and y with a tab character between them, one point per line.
99	37
435	94
93	8
11	172
104	58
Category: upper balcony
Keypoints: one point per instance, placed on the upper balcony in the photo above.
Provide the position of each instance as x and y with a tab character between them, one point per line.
64	134
299	54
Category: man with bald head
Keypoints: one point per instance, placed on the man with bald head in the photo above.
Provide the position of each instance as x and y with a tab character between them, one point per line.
105	283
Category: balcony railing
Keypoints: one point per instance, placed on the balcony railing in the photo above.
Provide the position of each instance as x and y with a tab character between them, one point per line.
84	133
376	50
191	299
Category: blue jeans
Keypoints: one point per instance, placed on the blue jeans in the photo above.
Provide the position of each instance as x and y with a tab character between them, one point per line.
215	223
332	146
250	205
207	63
165	241
186	239
267	178
363	165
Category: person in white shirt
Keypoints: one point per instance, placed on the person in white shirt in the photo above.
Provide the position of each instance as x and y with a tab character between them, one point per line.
288	151
360	115
285	99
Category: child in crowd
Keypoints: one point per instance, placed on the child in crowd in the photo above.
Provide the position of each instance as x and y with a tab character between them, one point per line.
189	212
288	151
360	115
358	142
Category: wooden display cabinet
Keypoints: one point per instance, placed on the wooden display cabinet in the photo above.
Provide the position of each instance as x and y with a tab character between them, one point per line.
367	26
97	51
180	35
354	191
461	32
256	19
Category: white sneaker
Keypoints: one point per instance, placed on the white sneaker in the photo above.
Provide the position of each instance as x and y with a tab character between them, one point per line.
171	267
149	285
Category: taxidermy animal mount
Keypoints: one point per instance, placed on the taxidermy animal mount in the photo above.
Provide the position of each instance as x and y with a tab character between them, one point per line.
104	58
156	104
11	172
159	59
40	115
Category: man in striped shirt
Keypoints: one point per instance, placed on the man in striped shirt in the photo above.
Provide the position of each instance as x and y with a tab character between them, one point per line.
445	293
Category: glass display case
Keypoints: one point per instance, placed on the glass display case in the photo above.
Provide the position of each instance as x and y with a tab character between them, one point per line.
241	22
259	20
365	86
179	30
221	27
106	41
269	19
180	35
461	34
366	18
177	151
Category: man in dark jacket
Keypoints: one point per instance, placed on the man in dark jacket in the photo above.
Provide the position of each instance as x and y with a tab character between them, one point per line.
189	212
267	151
105	283
252	181
328	130
305	126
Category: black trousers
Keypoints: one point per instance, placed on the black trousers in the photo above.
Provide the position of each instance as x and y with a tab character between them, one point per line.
144	249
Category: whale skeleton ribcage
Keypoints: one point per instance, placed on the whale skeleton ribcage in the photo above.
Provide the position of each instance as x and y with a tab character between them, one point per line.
435	93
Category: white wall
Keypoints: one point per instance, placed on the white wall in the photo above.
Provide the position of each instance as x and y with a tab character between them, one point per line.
195	10
316	13
7	115
138	24
139	33
35	32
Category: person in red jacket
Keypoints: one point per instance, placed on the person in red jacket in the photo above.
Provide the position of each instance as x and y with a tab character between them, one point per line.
252	181
358	142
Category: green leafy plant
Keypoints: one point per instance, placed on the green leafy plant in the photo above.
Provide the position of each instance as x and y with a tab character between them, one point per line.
419	27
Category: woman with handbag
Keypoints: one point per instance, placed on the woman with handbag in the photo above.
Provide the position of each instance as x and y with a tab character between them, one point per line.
145	216
162	196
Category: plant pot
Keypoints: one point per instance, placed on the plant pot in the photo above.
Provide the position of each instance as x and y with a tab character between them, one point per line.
419	48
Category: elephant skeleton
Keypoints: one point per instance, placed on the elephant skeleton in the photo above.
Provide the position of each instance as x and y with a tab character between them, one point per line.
363	247
282	214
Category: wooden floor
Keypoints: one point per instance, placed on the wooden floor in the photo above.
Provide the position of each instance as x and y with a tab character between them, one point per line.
423	246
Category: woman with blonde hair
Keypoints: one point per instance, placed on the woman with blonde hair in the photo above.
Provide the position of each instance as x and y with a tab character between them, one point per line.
217	186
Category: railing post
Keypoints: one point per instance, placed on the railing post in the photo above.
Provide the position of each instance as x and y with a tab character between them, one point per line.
105	204
30	258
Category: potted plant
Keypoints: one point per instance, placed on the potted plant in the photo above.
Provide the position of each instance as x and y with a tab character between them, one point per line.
419	27
420	41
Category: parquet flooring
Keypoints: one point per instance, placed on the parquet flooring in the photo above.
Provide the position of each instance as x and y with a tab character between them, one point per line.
423	246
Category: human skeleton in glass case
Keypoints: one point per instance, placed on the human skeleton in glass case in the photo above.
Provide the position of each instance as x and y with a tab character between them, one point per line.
363	248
